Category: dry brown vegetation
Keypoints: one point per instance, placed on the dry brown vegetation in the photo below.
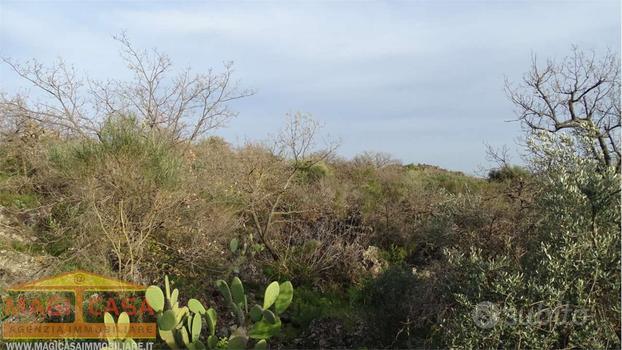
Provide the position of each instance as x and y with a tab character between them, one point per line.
121	178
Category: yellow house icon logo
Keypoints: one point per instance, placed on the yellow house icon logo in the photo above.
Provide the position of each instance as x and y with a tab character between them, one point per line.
71	306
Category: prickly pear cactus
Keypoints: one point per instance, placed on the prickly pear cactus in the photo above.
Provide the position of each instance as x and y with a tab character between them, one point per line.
116	333
261	321
180	326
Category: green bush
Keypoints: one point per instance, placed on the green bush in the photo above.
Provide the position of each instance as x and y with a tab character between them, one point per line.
311	304
386	303
124	142
507	173
570	263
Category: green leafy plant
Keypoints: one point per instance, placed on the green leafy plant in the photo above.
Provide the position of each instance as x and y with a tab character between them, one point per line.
259	322
241	250
116	333
180	326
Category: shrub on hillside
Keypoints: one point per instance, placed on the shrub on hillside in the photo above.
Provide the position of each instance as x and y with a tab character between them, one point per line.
127	202
507	173
564	290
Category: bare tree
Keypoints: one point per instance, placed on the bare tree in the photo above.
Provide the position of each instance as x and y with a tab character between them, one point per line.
298	141
269	181
184	105
579	94
499	155
62	103
377	160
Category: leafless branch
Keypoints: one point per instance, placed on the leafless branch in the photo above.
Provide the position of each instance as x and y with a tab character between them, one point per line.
183	106
579	94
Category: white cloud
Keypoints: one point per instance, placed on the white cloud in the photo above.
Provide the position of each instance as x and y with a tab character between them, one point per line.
396	68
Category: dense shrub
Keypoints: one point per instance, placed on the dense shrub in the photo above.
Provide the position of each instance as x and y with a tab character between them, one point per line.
564	290
386	302
125	202
507	173
138	204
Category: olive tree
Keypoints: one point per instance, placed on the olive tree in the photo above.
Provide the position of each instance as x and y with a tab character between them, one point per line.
563	290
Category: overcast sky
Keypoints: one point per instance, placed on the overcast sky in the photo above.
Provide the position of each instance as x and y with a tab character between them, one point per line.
421	80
